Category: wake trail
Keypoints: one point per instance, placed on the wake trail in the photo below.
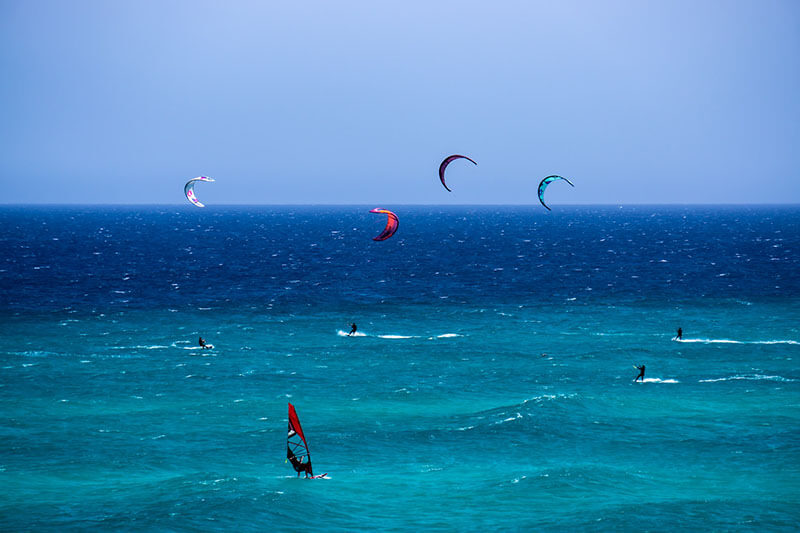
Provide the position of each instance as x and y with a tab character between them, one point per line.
731	341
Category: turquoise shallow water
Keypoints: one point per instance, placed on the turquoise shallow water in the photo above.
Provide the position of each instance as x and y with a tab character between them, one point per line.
491	389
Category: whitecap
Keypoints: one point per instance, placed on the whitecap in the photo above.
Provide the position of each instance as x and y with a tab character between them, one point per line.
510	419
140	347
345	334
731	341
748	377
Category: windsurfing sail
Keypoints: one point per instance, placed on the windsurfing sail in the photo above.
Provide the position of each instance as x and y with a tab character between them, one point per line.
296	446
543	185
447	160
392	222
188	190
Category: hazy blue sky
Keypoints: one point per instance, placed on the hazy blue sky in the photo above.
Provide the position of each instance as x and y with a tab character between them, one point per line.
358	102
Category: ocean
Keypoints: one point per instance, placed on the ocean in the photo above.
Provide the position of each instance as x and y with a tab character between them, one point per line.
490	386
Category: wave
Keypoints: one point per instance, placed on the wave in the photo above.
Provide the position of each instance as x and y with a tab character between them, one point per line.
748	377
509	419
534	400
35	353
730	341
508	413
659	380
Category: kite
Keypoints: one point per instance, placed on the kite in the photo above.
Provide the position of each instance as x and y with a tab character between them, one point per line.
447	160
391	224
188	190
543	185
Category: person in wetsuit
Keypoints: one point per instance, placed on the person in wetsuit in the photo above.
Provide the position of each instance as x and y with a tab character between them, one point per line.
641	374
679	336
298	464
353	329
202	343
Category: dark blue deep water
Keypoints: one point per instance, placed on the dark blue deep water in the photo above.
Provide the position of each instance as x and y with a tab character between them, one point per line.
491	387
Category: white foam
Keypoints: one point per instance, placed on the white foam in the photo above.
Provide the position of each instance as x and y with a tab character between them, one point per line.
750	377
659	380
342	333
448	335
730	341
510	419
140	347
356	334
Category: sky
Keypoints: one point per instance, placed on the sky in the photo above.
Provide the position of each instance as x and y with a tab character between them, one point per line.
319	102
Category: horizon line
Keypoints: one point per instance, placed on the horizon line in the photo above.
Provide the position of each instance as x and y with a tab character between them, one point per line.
179	204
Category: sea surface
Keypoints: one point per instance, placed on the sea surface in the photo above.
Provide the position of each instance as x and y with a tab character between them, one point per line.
490	386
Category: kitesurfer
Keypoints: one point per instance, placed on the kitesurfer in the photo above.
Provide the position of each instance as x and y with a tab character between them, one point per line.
202	343
641	373
679	336
353	329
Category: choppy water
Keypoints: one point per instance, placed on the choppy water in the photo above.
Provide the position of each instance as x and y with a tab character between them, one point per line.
491	388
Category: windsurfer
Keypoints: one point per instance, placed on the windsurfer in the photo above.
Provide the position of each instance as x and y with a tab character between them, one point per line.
641	374
298	464
679	336
201	341
353	329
